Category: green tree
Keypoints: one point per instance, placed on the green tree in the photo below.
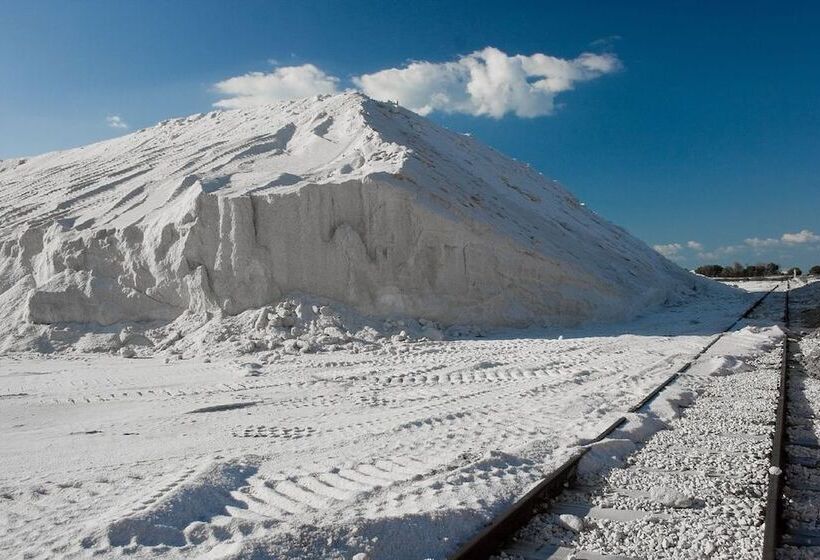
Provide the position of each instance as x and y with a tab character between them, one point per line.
710	270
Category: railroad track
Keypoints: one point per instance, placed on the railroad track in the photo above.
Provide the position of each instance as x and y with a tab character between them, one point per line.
492	538
792	526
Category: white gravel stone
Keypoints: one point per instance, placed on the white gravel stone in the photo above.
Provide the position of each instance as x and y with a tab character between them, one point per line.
572	522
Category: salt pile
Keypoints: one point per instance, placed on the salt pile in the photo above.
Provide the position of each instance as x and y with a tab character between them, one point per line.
219	217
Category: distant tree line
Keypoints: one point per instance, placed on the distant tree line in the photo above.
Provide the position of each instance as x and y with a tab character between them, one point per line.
738	270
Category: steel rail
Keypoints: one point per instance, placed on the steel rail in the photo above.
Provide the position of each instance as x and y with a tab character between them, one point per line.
492	537
773	522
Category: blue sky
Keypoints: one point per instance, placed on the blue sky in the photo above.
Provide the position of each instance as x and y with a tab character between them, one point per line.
708	130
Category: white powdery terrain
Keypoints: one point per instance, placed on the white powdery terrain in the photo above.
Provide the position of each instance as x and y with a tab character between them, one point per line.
338	197
335	223
395	452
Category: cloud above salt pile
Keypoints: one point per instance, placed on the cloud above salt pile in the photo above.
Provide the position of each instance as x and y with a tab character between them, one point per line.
116	121
287	82
487	83
674	250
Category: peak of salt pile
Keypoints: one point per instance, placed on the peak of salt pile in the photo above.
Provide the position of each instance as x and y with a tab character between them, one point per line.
339	197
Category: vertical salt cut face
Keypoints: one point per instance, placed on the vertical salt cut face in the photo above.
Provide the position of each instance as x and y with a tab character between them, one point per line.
339	197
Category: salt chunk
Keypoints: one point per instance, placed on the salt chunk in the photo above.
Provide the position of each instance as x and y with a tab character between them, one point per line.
262	319
571	522
670	497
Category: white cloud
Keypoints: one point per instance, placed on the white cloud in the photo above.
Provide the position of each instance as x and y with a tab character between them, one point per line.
720	252
753	247
115	121
606	43
487	82
762	246
287	82
674	250
668	250
802	236
758	243
484	83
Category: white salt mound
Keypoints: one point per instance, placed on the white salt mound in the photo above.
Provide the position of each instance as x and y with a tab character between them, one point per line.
340	197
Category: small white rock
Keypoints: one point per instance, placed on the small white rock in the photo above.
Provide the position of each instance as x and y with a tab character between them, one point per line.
571	522
670	497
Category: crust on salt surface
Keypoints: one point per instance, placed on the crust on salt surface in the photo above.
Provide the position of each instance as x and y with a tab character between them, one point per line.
340	197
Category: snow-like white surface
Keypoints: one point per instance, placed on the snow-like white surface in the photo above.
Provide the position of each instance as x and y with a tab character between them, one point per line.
695	489
339	197
208	258
398	451
763	285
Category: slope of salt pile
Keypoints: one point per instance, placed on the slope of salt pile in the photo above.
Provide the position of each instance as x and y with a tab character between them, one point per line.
339	197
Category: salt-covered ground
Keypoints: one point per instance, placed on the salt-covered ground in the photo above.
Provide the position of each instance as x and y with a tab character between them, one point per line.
696	489
687	477
399	451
